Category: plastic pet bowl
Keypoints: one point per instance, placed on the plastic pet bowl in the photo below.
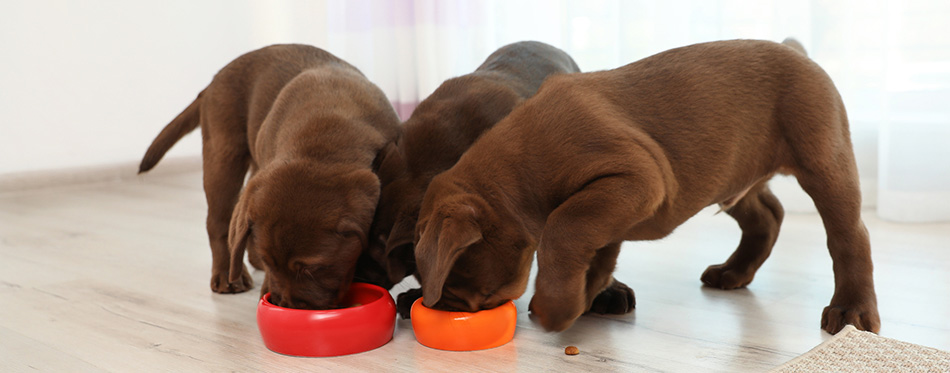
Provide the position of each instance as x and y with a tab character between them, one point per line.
463	331
366	325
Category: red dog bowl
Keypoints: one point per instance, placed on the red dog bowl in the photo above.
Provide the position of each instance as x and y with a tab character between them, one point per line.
365	326
463	331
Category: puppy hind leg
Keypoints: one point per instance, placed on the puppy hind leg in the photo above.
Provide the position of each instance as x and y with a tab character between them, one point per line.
815	125
759	215
225	165
837	196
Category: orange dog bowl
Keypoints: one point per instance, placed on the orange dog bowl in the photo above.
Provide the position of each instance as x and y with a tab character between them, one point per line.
344	331
463	331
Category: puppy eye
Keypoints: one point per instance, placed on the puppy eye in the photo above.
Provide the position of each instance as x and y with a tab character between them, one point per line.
349	234
308	267
317	268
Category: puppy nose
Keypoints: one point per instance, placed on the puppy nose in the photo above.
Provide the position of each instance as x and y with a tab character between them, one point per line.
473	305
281	301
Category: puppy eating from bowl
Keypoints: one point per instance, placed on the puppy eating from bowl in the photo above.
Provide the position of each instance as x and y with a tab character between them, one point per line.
310	128
596	159
439	131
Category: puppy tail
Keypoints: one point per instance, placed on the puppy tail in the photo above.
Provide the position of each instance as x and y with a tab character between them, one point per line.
182	125
791	42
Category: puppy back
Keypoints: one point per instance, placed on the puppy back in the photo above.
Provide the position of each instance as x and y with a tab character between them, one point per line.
794	44
241	94
528	63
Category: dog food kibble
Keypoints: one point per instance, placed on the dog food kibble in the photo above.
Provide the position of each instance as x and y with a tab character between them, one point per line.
356	304
571	350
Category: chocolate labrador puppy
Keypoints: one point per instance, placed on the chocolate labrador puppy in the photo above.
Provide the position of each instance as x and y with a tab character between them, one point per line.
599	158
310	127
440	129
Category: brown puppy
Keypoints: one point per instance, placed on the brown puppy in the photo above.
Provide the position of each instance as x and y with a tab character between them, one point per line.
599	158
309	126
441	128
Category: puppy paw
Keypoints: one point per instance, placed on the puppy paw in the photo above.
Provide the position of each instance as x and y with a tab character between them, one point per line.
724	277
405	300
220	284
863	317
616	299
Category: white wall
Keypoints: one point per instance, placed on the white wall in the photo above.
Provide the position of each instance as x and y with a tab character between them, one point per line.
87	83
90	83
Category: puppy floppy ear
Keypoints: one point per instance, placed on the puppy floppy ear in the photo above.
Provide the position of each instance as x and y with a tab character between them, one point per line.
440	246
363	193
398	255
389	163
238	234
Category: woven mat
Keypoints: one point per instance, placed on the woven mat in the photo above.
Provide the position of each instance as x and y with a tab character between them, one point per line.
852	350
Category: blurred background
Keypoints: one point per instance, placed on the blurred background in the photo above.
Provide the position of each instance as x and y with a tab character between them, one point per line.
87	85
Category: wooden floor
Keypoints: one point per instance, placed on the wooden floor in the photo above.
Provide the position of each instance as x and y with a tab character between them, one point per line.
114	277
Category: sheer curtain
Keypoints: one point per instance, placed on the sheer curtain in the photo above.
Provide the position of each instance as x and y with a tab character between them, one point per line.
889	58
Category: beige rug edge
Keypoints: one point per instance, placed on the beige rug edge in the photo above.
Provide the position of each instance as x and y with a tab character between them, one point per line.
852	350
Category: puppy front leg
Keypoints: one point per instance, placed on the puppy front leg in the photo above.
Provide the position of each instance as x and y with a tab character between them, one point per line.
224	172
571	269
605	294
405	300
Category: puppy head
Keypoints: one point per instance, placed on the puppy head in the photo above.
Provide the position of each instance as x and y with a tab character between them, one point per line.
470	255
308	230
